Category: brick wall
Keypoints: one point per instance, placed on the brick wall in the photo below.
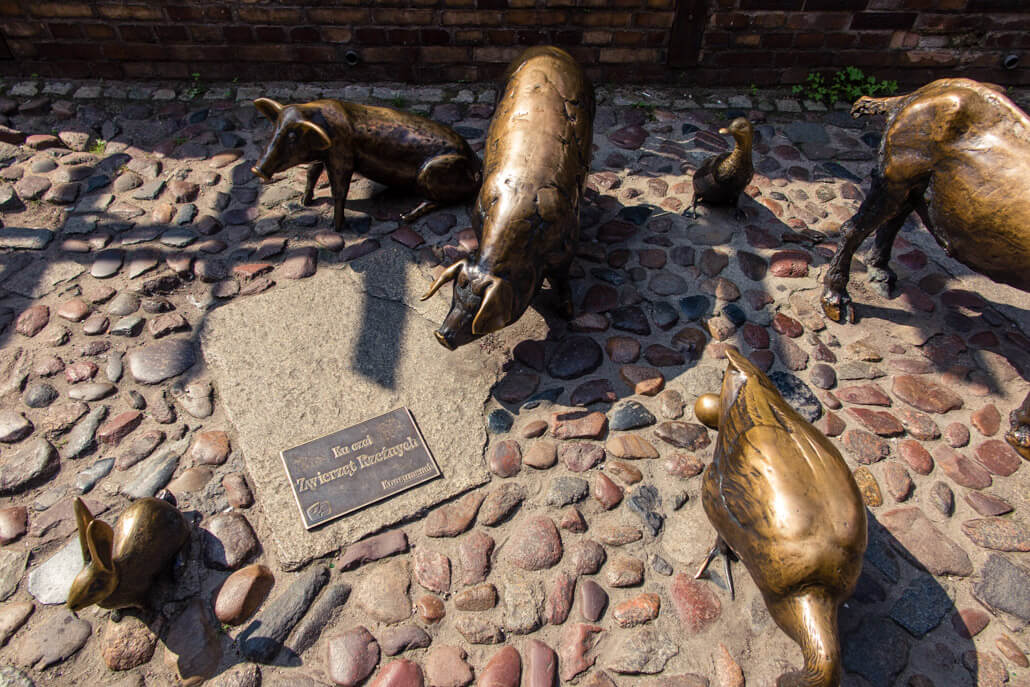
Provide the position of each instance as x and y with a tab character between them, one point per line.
914	41
707	42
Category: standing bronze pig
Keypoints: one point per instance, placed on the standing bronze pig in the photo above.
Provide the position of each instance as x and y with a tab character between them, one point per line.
399	149
537	158
958	153
781	498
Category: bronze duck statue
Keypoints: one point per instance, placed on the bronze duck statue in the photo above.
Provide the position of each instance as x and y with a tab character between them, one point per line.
722	178
784	502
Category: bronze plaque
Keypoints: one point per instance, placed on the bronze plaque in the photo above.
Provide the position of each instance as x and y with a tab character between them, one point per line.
347	470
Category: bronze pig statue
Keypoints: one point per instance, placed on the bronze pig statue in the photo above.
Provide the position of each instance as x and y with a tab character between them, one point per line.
536	163
121	562
958	153
782	499
399	149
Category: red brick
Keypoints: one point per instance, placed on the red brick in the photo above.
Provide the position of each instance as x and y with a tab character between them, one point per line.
70	51
98	32
367	36
133	12
338	15
621	55
504	55
136	33
26	29
390	55
883	20
305	34
269	15
62	10
270	34
238	34
403	16
474	18
654	20
613	19
440	54
434	37
536	17
402	37
171	33
502	37
334	34
65	31
627	39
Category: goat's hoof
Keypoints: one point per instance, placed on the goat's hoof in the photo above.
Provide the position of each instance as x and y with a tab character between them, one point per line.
837	307
882	280
1019	439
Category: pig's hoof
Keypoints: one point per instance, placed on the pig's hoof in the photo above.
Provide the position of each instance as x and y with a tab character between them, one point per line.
740	215
307	199
882	280
838	307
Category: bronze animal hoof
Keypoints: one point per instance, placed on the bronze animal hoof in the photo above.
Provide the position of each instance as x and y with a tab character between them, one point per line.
882	280
1019	439
838	307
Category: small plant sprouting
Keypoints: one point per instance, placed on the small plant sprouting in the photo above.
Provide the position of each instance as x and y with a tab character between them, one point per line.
98	147
196	88
754	90
648	108
848	85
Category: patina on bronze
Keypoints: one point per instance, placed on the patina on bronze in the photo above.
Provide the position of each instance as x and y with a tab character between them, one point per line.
722	178
347	470
1019	435
536	163
957	152
782	499
399	149
121	562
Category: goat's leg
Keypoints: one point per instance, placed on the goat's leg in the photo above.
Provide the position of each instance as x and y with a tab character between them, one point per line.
884	205
881	277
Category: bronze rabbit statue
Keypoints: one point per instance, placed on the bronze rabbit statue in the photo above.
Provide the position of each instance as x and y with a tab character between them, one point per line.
121	562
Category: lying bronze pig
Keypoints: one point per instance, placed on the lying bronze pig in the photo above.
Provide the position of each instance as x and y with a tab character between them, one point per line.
782	499
958	153
121	563
395	148
527	214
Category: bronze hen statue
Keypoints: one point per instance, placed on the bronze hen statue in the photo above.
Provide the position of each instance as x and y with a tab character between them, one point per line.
782	500
722	178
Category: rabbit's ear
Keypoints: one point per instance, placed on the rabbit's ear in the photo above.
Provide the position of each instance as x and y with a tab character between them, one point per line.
100	538
82	519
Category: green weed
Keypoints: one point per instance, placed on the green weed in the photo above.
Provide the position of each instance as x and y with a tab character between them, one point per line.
847	85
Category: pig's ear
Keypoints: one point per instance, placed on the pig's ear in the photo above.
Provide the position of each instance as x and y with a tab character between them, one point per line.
318	133
496	310
445	276
268	107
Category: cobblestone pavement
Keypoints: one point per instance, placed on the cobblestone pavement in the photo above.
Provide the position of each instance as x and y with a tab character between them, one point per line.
129	212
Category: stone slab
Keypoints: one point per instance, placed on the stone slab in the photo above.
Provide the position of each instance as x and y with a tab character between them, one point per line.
312	357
